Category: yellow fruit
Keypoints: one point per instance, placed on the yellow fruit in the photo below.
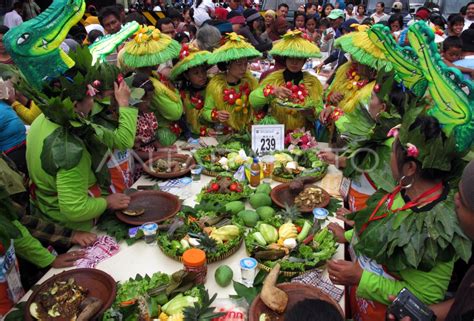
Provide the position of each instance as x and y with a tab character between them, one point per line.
163	317
287	231
176	317
238	102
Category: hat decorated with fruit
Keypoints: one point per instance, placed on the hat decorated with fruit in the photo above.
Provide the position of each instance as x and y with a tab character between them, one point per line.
189	57
234	48
295	44
150	47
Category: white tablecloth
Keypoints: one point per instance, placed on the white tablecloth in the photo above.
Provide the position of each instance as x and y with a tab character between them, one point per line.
142	259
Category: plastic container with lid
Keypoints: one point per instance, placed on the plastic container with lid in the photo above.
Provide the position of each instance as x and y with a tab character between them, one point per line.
194	260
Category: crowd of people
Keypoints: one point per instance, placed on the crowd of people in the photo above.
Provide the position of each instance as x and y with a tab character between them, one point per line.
408	210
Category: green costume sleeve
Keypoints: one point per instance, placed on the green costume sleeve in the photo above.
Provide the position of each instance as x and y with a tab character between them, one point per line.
429	287
209	105
258	99
73	197
124	136
169	109
30	249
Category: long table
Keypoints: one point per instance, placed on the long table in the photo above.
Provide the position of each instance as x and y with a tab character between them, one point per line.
140	258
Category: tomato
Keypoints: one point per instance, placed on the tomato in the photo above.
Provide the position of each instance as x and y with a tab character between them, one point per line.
233	187
215	187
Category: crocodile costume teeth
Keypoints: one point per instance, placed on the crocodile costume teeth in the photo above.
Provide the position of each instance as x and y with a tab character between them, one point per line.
34	45
453	97
403	59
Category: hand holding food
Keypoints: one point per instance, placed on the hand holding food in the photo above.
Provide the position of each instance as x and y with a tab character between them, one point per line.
338	232
282	92
118	201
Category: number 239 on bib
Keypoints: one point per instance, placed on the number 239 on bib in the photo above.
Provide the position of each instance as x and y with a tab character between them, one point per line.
268	138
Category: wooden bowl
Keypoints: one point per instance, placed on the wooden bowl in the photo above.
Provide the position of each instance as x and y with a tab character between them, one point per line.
98	283
281	195
296	292
159	206
189	160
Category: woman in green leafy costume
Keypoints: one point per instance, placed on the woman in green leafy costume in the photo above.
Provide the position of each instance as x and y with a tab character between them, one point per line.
409	237
64	187
192	71
148	49
354	81
295	96
365	162
227	94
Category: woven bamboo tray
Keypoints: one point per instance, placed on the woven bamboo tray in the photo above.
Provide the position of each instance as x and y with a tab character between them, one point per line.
211	173
209	260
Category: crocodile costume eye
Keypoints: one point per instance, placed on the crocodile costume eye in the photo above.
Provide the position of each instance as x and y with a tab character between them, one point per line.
23	38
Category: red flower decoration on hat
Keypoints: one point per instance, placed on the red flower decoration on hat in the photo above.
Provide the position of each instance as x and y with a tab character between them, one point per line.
184	52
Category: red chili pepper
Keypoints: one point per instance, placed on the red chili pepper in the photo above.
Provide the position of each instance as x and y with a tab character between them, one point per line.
298	229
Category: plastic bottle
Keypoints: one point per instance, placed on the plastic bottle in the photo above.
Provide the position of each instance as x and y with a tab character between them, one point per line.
255	173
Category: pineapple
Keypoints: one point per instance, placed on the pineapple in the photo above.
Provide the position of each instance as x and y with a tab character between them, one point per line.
290	213
203	311
206	243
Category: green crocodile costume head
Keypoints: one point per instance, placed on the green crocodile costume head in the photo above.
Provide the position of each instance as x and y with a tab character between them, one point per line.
452	95
420	68
34	45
